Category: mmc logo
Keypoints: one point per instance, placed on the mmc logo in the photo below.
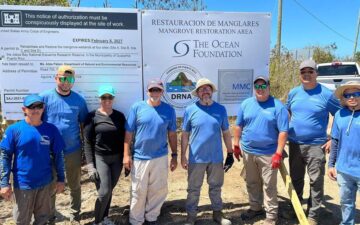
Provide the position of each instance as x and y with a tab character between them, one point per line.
11	18
179	81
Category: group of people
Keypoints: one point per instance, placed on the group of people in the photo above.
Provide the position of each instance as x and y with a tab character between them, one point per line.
44	147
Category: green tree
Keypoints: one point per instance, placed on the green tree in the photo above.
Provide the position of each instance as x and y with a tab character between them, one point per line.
324	54
35	2
195	5
357	57
283	76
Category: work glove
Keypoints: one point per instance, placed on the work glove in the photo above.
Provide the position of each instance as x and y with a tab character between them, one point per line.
228	162
276	160
92	172
127	172
237	152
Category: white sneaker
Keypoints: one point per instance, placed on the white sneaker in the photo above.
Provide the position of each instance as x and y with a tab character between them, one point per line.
107	221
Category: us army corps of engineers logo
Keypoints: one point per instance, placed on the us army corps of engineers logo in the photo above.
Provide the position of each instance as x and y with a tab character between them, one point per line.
179	81
10	18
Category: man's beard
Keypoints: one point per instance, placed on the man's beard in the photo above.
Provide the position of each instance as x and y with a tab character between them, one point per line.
155	99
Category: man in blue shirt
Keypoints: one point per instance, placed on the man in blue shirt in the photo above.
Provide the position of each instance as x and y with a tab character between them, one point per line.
204	122
309	106
345	150
261	127
29	148
67	110
150	122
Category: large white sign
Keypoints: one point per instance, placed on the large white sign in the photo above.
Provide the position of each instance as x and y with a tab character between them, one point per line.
230	49
127	48
103	46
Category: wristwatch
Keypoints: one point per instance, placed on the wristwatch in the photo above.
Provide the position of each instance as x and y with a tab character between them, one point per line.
173	155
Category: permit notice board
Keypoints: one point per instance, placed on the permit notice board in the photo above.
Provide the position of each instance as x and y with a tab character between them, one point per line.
103	46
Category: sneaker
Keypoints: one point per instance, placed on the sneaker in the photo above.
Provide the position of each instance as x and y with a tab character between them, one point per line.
269	221
250	214
107	221
219	218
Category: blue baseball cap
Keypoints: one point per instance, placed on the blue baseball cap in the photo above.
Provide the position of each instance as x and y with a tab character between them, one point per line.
106	89
31	99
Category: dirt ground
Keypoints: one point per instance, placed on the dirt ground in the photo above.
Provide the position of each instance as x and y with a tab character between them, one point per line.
173	211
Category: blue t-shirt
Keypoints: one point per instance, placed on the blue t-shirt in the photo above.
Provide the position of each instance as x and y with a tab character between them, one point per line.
205	123
34	149
150	125
261	124
66	113
348	155
310	114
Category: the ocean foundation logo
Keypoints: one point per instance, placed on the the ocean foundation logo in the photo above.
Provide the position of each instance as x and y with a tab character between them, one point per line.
179	81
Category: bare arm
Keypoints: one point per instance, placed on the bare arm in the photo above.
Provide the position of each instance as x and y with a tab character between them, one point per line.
281	142
184	145
82	131
237	134
127	161
173	146
227	140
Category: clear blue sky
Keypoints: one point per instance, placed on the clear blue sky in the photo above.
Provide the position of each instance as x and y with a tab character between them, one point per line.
305	22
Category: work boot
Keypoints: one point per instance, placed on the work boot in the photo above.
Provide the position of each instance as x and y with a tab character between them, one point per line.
190	219
250	214
269	221
219	218
312	221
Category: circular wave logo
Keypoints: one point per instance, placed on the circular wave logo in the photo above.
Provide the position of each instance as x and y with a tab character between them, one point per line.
179	81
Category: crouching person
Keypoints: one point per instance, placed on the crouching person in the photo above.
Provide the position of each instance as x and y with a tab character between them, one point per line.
28	149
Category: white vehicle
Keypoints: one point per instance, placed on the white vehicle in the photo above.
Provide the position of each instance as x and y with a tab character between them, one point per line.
332	75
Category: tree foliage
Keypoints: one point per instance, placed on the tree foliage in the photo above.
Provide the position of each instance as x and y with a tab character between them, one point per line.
74	3
357	57
35	2
283	76
195	5
324	54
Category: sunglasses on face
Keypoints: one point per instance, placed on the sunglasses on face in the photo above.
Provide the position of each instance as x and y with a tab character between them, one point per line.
36	106
155	90
307	71
202	89
260	86
70	79
354	95
107	97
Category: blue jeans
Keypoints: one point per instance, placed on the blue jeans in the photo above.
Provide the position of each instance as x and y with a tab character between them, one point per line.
348	187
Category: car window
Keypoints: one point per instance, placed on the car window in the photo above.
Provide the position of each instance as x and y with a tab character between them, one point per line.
334	70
